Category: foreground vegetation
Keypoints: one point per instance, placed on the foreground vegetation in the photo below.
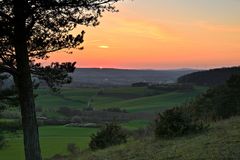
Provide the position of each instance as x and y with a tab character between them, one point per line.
220	142
55	139
187	132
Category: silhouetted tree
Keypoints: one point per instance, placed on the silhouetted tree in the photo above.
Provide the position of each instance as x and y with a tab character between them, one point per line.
111	134
30	30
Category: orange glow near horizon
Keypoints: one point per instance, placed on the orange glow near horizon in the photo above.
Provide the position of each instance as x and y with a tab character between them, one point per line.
151	39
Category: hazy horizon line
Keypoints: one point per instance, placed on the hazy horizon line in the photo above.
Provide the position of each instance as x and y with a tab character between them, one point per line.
180	68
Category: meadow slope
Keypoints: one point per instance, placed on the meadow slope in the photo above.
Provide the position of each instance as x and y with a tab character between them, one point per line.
220	142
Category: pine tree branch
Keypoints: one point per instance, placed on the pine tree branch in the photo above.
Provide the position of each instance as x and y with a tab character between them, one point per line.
5	16
7	69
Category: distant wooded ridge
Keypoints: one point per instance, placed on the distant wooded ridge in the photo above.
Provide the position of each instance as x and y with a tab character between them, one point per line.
123	77
108	77
210	77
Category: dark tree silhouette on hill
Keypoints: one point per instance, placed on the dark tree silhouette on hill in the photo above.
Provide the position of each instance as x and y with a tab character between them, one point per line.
212	77
30	30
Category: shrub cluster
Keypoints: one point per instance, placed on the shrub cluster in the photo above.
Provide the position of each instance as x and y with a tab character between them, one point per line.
219	102
216	104
111	134
176	122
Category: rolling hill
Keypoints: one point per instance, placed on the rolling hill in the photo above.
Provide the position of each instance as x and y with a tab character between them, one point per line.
110	77
211	77
220	142
123	77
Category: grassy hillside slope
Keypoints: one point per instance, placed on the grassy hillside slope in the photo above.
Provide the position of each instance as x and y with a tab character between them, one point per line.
221	142
155	103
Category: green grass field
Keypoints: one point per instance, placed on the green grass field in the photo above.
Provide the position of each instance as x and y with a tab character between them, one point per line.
158	102
78	98
129	98
54	139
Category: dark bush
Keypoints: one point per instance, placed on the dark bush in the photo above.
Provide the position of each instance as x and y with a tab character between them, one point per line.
215	104
176	122
218	103
111	134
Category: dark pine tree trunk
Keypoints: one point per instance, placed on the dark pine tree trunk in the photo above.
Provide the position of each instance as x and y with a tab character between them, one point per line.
24	84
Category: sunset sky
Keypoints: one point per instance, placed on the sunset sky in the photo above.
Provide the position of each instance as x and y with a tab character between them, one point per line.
163	34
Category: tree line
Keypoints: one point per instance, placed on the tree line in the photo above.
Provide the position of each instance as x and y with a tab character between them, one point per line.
212	77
